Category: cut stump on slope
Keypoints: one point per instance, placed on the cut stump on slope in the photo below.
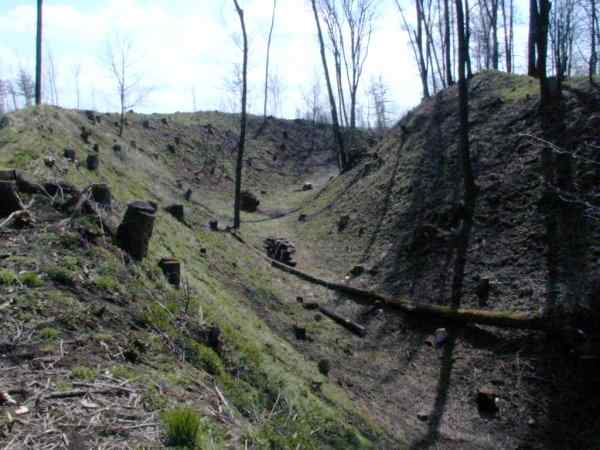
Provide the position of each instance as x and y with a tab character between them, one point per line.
171	267
9	200
135	232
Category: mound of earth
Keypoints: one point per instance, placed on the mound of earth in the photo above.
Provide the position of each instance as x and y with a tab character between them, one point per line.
390	225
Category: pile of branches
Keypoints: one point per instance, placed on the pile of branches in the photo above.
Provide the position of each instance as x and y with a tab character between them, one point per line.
281	250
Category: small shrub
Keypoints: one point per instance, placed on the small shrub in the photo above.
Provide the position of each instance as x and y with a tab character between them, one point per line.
182	426
70	263
154	400
31	279
84	373
61	276
49	334
123	372
205	358
7	277
107	282
70	241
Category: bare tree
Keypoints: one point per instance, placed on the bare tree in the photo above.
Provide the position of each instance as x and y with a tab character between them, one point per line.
350	26
490	15
233	84
314	111
240	158
379	94
267	76
470	189
13	94
77	80
415	35
51	76
532	39
594	26
562	36
341	157
313	102
508	23
276	90
123	68
25	87
3	97
447	44
360	18
539	22
425	46
542	26
38	64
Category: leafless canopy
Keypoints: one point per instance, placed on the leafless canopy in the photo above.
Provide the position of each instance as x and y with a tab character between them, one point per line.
123	59
350	25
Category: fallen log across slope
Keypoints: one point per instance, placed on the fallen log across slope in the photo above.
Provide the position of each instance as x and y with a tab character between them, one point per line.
503	319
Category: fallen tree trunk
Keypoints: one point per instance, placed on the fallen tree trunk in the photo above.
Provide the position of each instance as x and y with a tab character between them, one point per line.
346	323
8	175
504	319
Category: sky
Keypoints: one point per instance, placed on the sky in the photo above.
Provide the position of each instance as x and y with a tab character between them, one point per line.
187	49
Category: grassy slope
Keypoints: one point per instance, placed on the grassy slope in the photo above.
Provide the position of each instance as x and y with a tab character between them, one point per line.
87	293
401	204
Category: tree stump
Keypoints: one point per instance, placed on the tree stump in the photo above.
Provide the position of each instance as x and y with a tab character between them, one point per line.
86	134
135	231
343	223
101	194
248	201
9	200
93	161
70	154
171	267
176	211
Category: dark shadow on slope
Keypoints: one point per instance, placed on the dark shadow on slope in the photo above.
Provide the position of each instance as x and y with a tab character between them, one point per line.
432	435
386	205
571	420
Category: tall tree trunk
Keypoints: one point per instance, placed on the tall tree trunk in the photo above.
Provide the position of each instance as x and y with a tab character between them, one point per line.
38	55
470	190
467	39
542	50
505	27
594	39
342	162
532	40
448	46
419	38
268	61
240	156
495	43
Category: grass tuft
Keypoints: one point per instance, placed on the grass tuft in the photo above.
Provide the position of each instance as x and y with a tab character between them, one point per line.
31	279
7	277
182	428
